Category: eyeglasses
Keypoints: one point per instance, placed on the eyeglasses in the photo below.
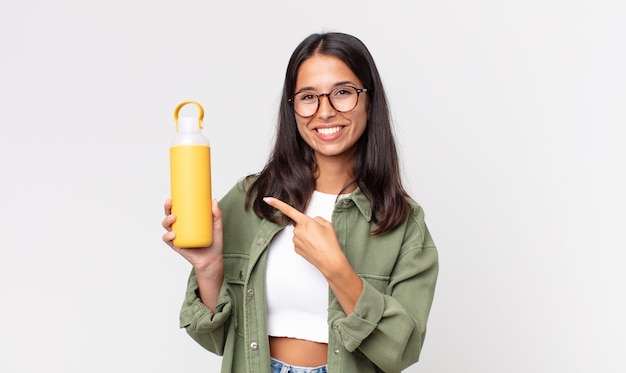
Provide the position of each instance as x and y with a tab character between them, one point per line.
343	99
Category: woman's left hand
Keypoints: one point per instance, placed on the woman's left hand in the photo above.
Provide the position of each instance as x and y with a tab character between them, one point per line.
314	238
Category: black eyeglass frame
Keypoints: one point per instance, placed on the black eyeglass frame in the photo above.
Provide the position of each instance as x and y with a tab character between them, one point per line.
319	96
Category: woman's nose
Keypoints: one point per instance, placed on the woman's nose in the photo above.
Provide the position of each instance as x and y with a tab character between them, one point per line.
325	109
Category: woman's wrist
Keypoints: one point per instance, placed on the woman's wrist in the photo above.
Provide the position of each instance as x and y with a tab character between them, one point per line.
210	269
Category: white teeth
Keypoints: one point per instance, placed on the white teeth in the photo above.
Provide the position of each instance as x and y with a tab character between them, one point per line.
328	131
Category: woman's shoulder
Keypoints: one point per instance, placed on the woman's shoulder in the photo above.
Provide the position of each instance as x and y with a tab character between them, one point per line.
236	196
416	210
241	187
413	203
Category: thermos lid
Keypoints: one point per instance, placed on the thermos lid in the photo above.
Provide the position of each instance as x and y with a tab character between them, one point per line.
188	124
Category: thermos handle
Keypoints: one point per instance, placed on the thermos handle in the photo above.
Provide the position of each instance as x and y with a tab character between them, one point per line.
200	115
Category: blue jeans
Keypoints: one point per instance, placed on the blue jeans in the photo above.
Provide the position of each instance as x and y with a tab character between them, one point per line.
280	367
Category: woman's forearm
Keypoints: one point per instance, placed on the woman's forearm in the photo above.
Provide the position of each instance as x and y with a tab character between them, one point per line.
346	285
210	282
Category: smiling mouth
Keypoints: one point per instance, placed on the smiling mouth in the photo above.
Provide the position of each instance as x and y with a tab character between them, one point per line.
328	131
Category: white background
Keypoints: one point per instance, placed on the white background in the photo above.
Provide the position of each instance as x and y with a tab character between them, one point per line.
510	117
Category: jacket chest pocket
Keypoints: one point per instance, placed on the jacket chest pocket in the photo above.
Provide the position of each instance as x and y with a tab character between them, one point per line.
235	272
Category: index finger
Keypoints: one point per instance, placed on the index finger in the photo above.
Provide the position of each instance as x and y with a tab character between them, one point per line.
286	209
167	206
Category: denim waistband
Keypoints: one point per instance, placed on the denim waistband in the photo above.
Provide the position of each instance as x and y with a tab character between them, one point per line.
281	367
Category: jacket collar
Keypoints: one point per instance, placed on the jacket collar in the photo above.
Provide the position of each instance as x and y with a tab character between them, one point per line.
360	201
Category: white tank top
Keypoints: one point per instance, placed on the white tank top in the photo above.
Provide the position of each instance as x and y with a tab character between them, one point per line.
297	292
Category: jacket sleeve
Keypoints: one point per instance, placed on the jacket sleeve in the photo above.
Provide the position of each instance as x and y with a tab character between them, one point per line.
206	328
389	328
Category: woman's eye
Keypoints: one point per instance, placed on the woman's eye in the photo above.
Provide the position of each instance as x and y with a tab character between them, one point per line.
343	92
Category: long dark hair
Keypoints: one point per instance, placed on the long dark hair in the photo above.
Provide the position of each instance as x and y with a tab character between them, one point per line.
290	171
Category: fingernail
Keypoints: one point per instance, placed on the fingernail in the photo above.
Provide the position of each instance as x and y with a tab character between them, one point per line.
267	200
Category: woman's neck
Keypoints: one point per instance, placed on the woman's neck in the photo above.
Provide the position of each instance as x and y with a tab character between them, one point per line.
334	175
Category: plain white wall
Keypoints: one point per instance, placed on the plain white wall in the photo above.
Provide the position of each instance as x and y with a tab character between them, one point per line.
510	118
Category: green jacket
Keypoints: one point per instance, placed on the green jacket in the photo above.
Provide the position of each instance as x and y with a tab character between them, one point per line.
384	334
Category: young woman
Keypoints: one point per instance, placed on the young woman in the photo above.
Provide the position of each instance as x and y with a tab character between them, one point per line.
321	262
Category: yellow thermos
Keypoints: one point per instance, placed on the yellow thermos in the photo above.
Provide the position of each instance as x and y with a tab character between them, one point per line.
190	177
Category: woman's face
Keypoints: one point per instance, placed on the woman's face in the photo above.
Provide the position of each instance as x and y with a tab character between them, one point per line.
328	132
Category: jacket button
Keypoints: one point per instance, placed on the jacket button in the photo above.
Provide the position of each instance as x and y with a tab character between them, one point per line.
259	241
336	351
250	292
254	346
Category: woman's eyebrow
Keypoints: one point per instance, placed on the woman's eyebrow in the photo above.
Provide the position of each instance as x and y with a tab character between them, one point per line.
338	84
347	82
